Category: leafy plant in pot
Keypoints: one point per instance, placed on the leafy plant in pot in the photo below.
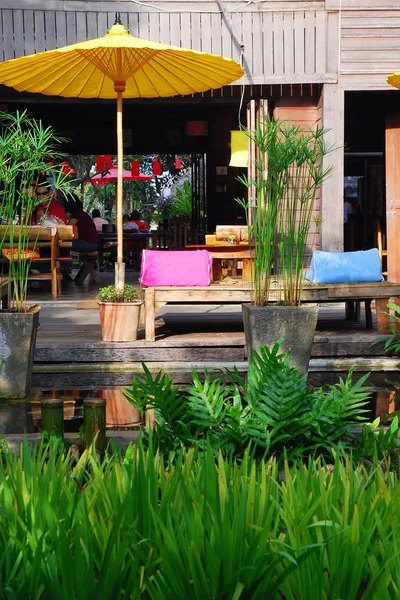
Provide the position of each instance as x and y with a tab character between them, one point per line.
25	148
288	170
119	313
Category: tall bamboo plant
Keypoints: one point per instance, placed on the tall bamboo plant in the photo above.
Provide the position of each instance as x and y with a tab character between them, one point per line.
289	168
28	151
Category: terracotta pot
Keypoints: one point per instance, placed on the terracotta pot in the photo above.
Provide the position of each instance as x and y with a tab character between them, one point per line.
119	321
17	347
265	325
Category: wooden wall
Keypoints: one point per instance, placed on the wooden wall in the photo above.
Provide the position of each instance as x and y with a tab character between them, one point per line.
283	41
369	42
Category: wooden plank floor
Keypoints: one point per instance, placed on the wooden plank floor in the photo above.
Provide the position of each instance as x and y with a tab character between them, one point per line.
209	336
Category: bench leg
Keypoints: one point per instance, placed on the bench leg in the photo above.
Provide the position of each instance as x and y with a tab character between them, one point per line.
368	313
54	282
382	316
150	315
350	313
247	269
216	270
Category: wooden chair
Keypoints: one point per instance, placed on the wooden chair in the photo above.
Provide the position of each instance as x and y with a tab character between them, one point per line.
175	236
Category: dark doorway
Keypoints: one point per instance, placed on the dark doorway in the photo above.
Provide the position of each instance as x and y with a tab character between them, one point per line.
364	166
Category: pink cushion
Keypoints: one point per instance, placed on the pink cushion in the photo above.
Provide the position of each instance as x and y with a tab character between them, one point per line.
175	267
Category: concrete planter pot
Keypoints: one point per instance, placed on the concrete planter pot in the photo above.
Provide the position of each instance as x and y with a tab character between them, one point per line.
119	321
265	325
17	347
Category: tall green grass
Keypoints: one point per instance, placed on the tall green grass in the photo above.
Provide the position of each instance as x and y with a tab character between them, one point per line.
200	529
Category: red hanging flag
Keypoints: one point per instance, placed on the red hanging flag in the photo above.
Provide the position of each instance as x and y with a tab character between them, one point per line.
135	168
103	162
156	167
65	168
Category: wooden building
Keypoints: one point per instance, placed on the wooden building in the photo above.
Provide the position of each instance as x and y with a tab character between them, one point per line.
320	62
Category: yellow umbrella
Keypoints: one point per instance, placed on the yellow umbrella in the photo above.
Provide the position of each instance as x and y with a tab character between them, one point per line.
394	80
111	66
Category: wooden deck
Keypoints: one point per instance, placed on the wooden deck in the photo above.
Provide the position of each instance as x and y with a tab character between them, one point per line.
70	351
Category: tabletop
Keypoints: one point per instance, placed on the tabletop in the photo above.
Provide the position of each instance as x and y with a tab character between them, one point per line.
219	247
128	235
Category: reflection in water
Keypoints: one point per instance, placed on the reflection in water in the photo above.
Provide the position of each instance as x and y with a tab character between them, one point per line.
19	417
27	416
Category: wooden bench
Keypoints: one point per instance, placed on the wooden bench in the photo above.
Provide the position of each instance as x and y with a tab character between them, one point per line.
156	297
51	239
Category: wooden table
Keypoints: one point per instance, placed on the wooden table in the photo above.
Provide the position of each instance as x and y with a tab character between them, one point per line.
227	251
51	240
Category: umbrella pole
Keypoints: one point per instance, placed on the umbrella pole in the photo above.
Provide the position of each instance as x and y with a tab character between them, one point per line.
119	265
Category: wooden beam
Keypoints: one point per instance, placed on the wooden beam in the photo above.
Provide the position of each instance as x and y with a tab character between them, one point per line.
332	187
392	153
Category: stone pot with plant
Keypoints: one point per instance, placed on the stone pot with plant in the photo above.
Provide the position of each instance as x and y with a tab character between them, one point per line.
28	150
288	171
119	313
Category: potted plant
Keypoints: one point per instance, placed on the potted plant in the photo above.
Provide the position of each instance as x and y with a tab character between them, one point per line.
288	170
119	313
28	150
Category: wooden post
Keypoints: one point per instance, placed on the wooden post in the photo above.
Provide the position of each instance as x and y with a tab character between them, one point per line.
382	316
392	154
52	410
94	423
53	263
149	315
332	187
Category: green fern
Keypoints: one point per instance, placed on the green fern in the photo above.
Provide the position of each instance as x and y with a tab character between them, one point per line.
279	398
338	409
171	417
273	412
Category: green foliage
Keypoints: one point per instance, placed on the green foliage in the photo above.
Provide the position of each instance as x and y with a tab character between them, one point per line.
27	151
182	206
288	171
273	413
114	294
203	528
392	341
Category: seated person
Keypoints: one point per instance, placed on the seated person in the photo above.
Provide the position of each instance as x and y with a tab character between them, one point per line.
129	225
98	221
88	237
48	207
135	218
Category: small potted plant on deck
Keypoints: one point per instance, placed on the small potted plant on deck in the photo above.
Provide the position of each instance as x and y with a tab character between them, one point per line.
28	150
288	170
119	313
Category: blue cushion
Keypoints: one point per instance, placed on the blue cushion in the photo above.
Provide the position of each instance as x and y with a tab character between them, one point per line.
345	267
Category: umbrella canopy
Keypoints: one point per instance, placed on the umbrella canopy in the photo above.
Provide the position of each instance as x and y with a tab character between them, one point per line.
394	80
112	176
117	64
